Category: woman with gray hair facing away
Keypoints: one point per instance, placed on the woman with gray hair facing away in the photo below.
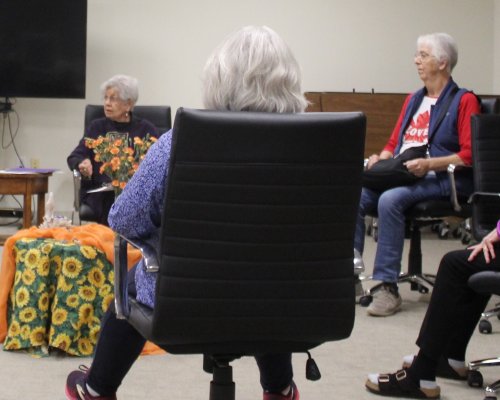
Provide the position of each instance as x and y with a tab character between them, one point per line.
252	70
436	120
120	93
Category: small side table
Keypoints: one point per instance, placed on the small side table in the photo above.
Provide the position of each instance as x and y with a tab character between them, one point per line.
27	184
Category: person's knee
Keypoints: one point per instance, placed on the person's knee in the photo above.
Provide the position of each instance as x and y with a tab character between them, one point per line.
453	263
451	258
388	204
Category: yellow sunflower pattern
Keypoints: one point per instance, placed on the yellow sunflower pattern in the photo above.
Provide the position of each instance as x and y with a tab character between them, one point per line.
60	292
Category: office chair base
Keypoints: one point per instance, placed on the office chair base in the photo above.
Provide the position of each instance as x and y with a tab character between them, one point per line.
475	378
491	390
419	282
485	326
222	386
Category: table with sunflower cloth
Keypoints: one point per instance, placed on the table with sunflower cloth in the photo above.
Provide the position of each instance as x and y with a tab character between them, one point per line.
60	292
55	285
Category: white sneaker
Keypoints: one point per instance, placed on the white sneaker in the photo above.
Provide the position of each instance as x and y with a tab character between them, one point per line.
385	302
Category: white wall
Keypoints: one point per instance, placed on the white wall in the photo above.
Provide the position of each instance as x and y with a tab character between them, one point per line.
340	44
496	46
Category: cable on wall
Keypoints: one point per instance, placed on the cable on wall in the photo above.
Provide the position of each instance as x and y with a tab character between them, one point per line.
10	117
7	125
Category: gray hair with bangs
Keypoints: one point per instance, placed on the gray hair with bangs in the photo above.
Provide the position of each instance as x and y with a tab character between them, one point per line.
253	70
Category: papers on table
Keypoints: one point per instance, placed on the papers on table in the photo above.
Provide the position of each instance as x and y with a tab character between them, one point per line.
22	170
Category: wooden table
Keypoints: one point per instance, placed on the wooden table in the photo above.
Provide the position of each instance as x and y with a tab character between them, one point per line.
27	184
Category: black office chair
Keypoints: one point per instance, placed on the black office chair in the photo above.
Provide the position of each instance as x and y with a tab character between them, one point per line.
486	197
256	251
427	213
486	282
485	213
159	116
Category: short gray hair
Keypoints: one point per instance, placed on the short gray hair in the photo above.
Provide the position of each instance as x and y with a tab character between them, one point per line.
443	46
253	70
126	86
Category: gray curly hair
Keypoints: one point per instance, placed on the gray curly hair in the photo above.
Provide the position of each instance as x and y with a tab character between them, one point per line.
126	86
253	69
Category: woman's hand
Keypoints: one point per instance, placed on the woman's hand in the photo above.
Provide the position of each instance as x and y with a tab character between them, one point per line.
372	160
375	158
85	168
486	246
418	167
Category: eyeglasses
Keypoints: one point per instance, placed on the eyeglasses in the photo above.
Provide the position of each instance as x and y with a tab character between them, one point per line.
111	99
422	56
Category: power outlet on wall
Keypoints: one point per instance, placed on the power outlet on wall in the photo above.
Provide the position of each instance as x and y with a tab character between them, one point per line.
35	163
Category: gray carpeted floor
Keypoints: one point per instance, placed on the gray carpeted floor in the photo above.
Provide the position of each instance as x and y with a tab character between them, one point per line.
376	345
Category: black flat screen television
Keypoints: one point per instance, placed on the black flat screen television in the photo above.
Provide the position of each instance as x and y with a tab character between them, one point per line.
43	48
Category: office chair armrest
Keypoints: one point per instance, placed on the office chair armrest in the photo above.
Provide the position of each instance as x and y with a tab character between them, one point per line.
121	269
359	265
77	185
453	192
473	197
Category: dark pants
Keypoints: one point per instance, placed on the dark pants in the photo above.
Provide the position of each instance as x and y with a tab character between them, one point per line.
454	309
120	345
99	205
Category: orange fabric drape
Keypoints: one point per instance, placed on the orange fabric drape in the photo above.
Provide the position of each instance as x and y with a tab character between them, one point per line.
95	235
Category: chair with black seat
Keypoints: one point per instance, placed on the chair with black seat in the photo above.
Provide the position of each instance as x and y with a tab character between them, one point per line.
256	252
430	212
159	116
485	213
486	197
486	282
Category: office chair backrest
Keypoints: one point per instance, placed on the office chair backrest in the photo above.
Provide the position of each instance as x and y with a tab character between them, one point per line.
490	105
257	232
486	166
159	116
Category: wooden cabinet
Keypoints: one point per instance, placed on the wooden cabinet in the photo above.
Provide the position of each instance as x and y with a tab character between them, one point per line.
381	110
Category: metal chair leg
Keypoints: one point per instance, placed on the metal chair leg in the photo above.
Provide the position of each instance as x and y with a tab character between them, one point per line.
474	377
490	392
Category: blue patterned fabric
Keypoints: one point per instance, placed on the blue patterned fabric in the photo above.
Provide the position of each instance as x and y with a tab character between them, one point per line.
136	213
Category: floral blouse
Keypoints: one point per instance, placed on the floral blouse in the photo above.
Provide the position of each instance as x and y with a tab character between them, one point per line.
136	213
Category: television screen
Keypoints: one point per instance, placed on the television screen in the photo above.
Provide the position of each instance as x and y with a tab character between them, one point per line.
43	48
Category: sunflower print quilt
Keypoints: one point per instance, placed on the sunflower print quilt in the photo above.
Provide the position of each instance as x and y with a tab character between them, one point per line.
61	290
